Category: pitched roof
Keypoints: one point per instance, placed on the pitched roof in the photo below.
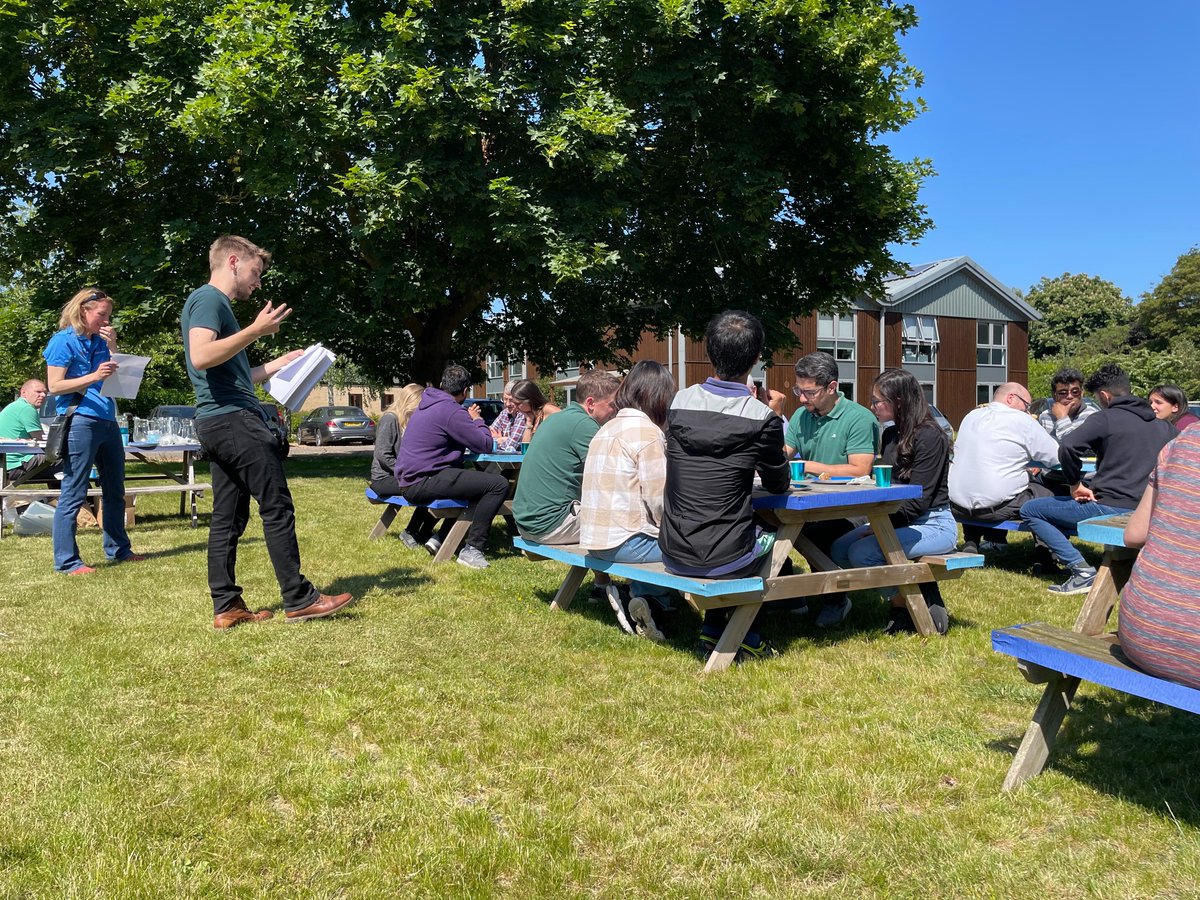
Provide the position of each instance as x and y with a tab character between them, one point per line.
900	287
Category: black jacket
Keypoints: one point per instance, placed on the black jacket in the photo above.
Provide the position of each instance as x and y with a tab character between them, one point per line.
717	437
1125	438
930	468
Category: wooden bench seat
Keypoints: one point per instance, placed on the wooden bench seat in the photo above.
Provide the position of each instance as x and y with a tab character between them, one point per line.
459	510
1010	525
96	494
1097	659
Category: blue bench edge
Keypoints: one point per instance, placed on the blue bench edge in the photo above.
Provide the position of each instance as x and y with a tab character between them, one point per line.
1116	676
701	588
400	501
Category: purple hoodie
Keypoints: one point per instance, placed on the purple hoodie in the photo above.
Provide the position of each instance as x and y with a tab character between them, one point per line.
436	437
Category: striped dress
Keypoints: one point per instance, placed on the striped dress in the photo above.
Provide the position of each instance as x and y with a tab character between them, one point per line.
1159	619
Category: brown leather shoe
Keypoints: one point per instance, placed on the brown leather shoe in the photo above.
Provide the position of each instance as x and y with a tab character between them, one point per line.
323	606
240	616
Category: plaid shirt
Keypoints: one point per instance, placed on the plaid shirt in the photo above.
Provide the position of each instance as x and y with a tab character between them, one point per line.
623	481
508	430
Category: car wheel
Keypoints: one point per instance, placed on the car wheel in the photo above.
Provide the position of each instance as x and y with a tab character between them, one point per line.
319	440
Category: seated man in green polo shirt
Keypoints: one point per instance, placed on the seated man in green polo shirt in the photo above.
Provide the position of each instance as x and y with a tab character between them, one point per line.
20	422
832	436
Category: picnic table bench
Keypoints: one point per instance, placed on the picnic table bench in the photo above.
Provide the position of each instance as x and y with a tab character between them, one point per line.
508	464
788	512
1061	659
160	458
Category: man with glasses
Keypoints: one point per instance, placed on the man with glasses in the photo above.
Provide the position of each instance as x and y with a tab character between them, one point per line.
1064	411
1125	436
833	436
989	476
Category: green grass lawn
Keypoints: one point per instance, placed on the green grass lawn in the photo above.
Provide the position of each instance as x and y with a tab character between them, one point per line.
451	736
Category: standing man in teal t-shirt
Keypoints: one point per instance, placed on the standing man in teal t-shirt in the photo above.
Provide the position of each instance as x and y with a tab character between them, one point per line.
244	455
834	437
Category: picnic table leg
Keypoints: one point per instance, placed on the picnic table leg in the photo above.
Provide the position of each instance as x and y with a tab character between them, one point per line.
566	592
731	638
1114	571
385	521
1042	731
894	553
456	536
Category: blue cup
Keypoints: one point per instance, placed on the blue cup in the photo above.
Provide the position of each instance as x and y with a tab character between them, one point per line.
797	469
883	476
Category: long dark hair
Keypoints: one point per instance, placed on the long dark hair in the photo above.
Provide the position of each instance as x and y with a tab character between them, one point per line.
527	391
649	387
910	413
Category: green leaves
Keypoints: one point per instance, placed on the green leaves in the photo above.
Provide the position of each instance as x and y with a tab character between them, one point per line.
413	167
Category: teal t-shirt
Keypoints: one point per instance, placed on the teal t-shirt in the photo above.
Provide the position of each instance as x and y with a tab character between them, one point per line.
552	470
227	387
830	439
19	420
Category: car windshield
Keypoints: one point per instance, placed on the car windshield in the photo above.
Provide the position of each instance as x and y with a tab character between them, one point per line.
341	412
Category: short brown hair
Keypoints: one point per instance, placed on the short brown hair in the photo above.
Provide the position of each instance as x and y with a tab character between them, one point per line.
597	384
231	245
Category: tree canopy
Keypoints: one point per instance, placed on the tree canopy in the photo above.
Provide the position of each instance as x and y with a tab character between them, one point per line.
1173	307
575	171
1075	309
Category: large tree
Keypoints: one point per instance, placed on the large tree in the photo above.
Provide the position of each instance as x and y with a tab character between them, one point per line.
1076	308
552	176
1173	307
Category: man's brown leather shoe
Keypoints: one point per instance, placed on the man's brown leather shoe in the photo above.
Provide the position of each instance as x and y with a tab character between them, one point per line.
240	616
323	606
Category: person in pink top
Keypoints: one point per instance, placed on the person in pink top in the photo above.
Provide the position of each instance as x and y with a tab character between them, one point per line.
1171	403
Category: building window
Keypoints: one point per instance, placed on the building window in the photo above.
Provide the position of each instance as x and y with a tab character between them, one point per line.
568	394
388	400
920	339
516	369
991	343
927	390
985	392
847	389
355	399
835	335
495	368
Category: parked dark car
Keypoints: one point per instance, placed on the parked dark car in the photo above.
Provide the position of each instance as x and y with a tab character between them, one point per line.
335	425
173	412
489	408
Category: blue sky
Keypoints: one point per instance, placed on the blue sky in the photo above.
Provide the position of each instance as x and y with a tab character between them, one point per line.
1066	136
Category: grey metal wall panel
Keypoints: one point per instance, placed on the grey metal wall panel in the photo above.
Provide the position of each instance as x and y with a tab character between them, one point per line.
960	296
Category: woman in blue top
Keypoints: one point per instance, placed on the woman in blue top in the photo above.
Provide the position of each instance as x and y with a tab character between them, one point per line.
78	359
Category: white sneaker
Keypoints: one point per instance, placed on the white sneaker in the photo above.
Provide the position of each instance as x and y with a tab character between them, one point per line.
618	607
472	558
433	545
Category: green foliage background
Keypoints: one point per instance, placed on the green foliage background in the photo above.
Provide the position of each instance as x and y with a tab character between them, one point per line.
612	168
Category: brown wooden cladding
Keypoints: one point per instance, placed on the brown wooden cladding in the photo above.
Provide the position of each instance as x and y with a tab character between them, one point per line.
956	368
893	336
867	351
1018	357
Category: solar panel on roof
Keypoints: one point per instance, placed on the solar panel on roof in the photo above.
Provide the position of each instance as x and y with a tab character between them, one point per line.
917	270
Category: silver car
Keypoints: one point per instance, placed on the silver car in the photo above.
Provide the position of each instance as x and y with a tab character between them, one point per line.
336	425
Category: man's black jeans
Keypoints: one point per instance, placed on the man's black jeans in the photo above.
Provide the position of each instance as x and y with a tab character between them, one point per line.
245	461
486	490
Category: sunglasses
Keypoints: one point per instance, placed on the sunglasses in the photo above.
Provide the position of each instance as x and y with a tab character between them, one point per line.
1069	392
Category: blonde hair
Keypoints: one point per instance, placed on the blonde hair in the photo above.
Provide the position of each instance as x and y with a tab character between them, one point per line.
405	404
72	311
231	245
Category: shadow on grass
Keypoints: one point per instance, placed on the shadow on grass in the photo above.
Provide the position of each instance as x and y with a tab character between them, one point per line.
391	580
1127	747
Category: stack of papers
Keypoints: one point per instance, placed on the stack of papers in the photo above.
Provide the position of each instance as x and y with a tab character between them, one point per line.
295	381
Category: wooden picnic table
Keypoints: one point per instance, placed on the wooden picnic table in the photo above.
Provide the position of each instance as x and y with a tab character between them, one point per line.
506	464
172	462
1115	568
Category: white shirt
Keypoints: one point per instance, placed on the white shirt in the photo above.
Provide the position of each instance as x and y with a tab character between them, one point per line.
994	447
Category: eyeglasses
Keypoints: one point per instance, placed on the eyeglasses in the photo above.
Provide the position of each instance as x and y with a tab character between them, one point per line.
1025	403
807	393
877	401
1069	392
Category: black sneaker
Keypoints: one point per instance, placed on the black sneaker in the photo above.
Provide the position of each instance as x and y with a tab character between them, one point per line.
637	610
969	547
900	621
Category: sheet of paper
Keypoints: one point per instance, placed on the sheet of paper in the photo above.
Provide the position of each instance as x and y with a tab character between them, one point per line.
295	381
127	380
